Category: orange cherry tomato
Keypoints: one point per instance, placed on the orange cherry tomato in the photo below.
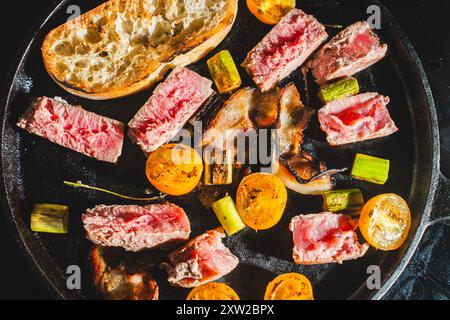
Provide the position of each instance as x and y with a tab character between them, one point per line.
174	169
261	200
289	286
385	222
270	11
213	291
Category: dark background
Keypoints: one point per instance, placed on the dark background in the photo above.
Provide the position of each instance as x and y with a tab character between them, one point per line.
427	23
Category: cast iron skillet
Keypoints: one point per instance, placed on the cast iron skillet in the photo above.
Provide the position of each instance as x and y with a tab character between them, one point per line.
33	169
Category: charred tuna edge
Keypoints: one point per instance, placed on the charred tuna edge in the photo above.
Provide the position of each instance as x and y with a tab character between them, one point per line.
358	118
351	51
170	107
136	228
325	238
73	127
203	259
284	49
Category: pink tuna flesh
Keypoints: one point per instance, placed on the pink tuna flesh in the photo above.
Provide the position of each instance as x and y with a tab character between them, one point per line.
202	260
352	50
357	118
74	128
284	49
172	104
325	238
135	228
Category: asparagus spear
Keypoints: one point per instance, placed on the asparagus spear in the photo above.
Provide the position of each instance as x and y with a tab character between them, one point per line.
50	218
218	168
224	72
350	200
226	211
344	88
371	169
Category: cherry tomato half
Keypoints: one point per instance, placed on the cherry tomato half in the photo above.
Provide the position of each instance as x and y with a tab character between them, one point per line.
213	291
289	286
270	11
385	222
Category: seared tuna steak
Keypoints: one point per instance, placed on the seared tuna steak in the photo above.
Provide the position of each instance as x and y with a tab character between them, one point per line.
325	238
357	118
135	228
172	104
74	128
202	260
352	50
284	49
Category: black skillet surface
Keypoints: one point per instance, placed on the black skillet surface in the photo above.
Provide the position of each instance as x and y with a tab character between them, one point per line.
34	169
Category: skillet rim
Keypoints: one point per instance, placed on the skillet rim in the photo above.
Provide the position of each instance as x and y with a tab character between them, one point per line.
435	161
6	93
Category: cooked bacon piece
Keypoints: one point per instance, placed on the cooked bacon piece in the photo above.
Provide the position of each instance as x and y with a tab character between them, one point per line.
357	118
203	259
172	104
245	111
293	119
284	49
352	50
232	119
74	128
325	238
265	108
136	228
296	165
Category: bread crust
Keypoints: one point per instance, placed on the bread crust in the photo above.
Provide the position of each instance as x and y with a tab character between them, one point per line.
196	46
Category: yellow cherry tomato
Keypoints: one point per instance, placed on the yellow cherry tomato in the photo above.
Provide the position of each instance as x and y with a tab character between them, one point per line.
270	11
174	169
213	291
290	286
261	200
385	222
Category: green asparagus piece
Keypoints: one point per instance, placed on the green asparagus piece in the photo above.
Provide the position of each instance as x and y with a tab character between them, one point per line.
50	218
350	200
226	211
224	72
218	168
344	88
371	169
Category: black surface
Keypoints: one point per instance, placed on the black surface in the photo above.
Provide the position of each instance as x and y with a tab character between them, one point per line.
26	287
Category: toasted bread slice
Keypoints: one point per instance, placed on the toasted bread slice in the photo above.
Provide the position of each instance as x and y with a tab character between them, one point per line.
125	46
